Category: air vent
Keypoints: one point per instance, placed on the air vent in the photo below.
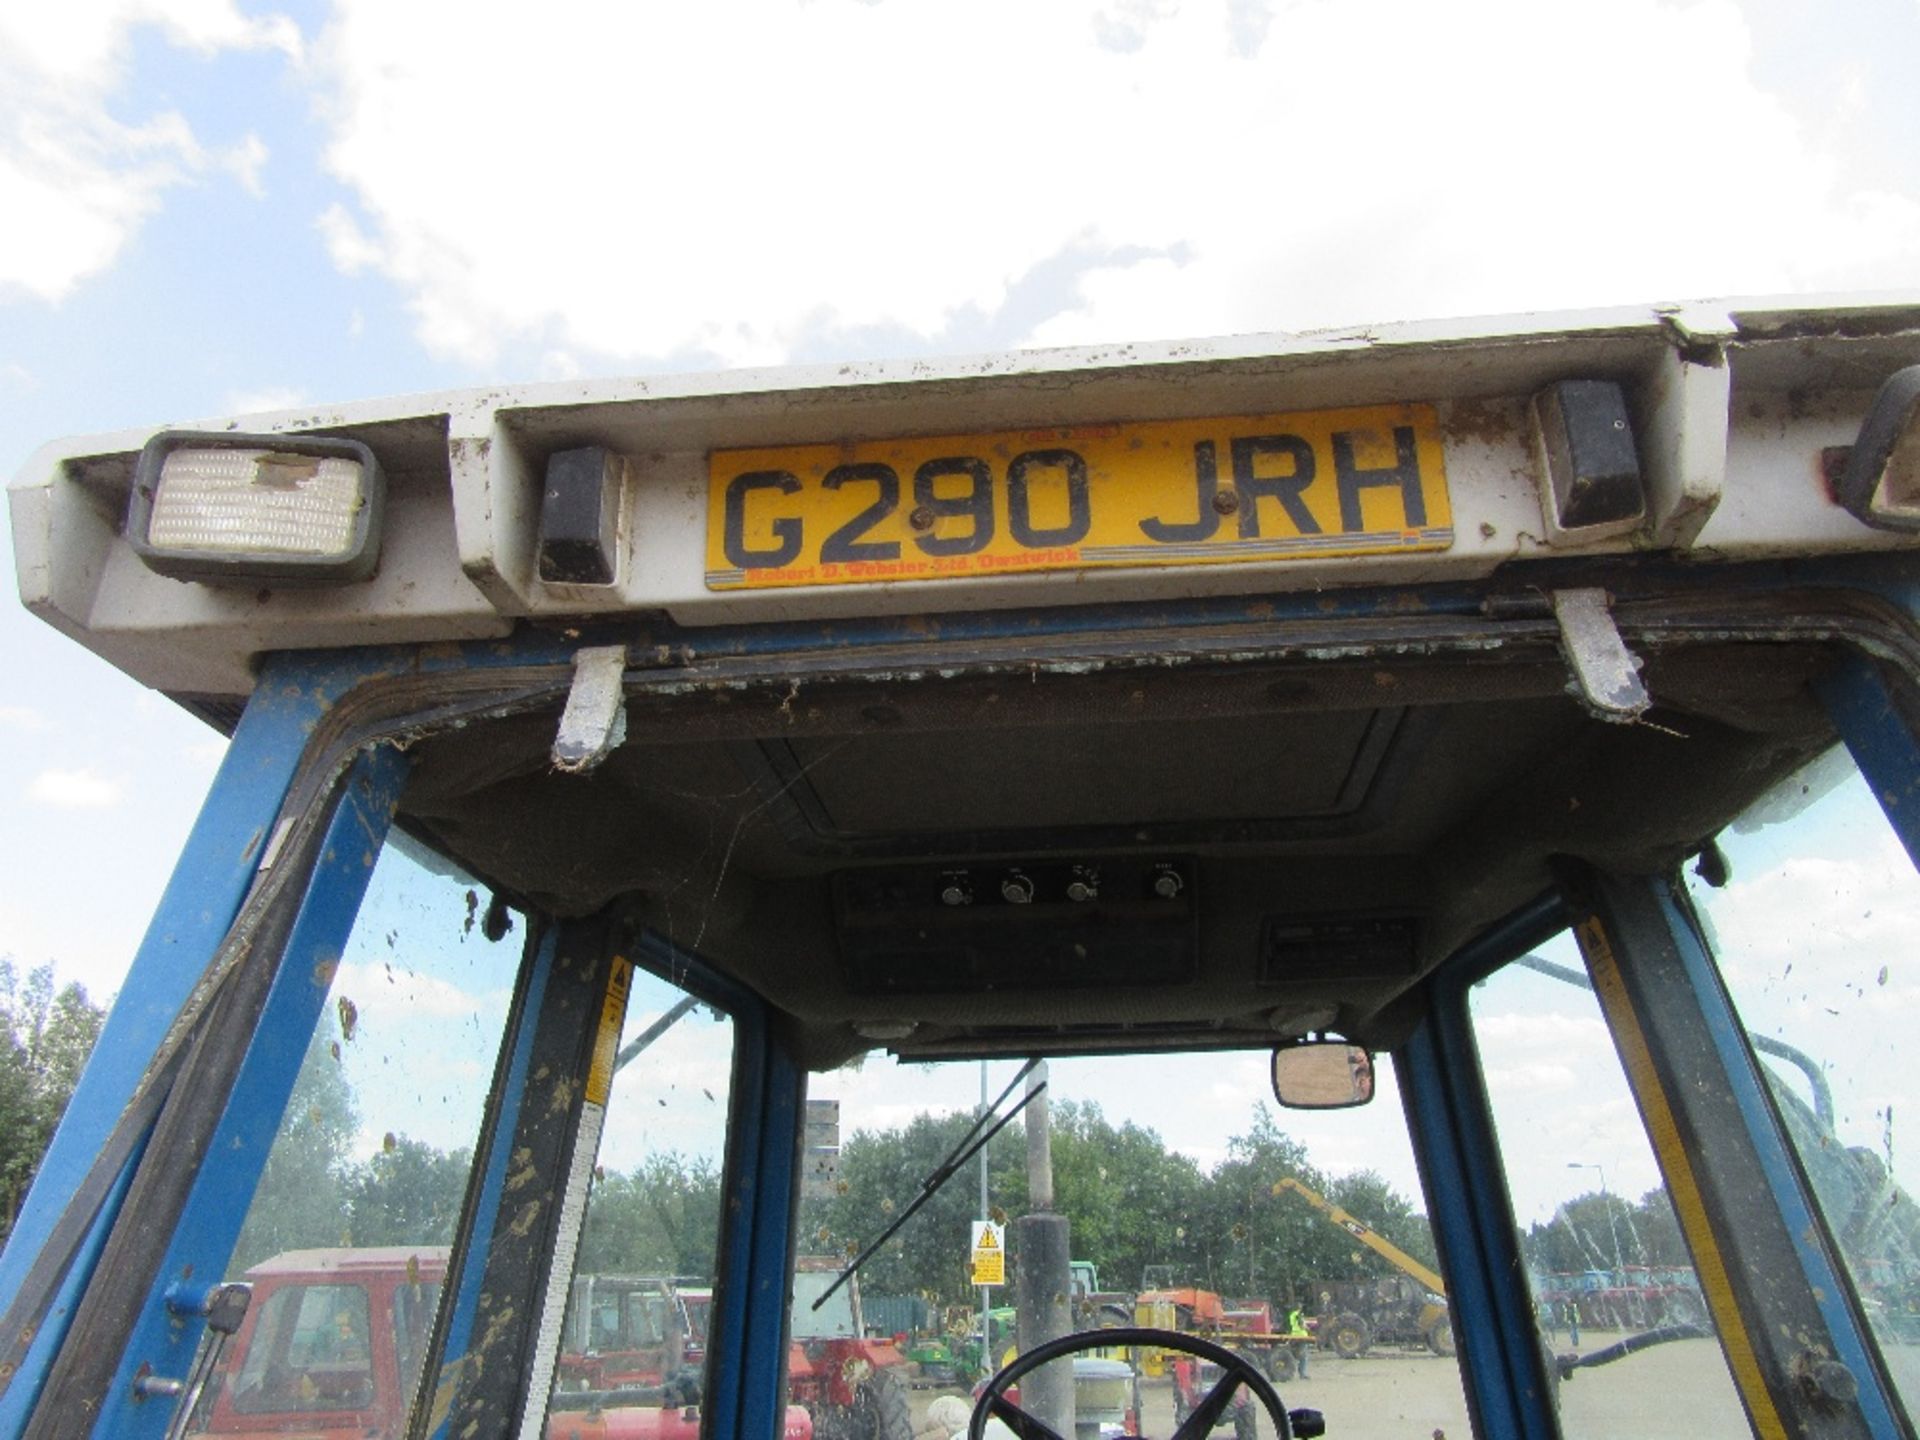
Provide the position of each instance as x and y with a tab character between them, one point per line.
1375	947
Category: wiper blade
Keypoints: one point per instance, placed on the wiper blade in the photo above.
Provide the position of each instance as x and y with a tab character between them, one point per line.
968	1147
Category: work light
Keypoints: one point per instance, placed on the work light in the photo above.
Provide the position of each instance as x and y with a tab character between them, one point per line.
230	509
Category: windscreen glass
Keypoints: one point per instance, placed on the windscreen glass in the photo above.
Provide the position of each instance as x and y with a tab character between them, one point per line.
1190	1204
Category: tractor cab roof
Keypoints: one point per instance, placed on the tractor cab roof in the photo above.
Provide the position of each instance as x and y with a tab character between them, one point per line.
1176	799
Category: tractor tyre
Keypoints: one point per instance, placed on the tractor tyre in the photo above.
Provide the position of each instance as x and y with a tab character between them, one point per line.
1350	1337
1280	1364
1440	1336
882	1411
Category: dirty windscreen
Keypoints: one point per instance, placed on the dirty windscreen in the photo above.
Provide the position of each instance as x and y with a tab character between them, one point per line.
1191	1201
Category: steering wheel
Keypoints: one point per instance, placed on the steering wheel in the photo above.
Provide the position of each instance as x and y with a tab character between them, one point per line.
1237	1371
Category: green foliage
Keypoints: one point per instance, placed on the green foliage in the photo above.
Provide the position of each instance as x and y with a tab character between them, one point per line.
879	1176
301	1202
1366	1193
1130	1199
408	1194
1583	1233
663	1218
1259	1244
45	1038
1135	1205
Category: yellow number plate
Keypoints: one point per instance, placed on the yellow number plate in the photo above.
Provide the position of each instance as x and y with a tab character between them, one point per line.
1184	492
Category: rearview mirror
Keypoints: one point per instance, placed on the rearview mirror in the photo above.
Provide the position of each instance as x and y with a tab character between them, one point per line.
1322	1075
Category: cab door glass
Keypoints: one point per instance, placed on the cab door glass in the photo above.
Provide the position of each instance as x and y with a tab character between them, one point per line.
1605	1260
345	1242
644	1270
1814	931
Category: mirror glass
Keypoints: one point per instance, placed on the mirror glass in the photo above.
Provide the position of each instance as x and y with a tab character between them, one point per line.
1322	1075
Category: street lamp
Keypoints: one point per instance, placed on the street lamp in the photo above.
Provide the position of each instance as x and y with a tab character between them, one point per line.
1613	1225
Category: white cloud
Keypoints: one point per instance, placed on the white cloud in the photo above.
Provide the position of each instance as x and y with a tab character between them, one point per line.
244	162
75	180
74	42
743	183
253	402
23	717
352	251
75	790
401	994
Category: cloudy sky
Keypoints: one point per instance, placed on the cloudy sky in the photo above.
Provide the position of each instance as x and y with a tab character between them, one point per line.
209	206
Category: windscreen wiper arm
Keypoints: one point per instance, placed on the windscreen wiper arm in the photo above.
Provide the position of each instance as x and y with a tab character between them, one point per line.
968	1147
653	1032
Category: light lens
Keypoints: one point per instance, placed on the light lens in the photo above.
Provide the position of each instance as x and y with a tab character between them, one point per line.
257	502
224	508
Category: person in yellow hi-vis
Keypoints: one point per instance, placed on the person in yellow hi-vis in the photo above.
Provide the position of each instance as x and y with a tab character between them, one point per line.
1300	1340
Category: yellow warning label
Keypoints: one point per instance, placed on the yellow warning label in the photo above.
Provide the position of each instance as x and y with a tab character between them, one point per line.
606	1040
989	1254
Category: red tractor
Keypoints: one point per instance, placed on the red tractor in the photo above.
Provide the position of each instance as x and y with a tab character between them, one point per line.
854	1387
333	1341
627	1330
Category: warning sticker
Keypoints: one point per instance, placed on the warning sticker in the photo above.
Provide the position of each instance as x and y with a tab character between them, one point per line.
989	1253
606	1040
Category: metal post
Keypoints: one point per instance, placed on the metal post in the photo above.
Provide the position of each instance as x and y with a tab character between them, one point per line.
986	1291
1039	1144
1042	1274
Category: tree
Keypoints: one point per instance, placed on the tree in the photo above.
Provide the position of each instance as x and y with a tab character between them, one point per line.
1367	1196
1134	1204
45	1039
878	1178
661	1218
1584	1231
408	1194
301	1201
1656	1230
1262	1242
1131	1201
